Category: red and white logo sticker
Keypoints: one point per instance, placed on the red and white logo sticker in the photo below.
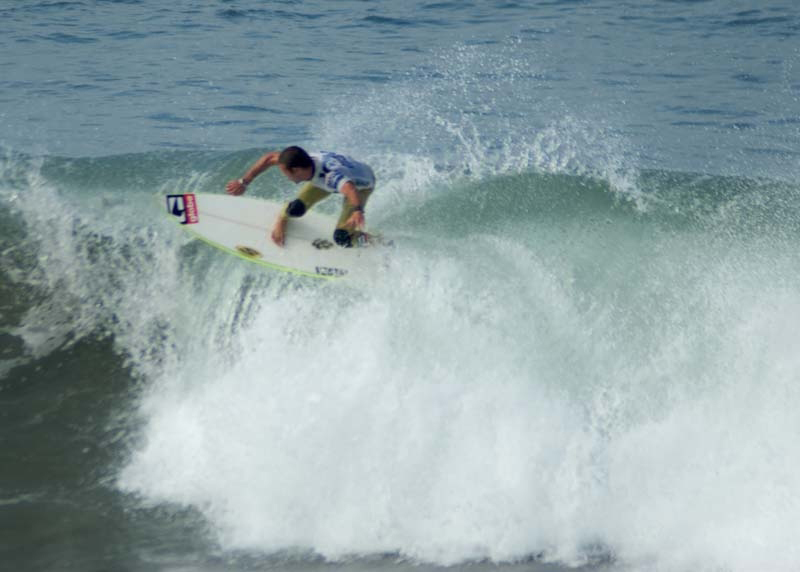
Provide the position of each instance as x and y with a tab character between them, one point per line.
184	207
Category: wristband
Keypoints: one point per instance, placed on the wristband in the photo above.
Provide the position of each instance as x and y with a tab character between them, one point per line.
243	182
358	209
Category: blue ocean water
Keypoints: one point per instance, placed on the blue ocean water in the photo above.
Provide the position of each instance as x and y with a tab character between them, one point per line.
584	353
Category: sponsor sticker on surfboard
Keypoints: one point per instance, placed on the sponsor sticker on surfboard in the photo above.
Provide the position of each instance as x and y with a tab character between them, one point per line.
184	207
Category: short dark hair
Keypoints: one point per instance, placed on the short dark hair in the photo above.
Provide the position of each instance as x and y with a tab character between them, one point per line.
295	158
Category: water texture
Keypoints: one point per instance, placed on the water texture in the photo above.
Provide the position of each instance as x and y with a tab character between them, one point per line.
584	350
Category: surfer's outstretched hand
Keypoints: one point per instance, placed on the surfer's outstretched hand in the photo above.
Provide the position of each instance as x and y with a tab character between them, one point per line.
279	231
236	187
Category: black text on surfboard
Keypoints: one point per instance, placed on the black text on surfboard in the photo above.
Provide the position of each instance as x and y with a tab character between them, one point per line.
330	271
184	207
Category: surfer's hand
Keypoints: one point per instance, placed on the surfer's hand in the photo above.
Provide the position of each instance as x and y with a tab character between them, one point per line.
236	187
356	221
279	231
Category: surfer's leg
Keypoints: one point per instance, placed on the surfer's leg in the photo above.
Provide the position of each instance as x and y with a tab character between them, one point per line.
345	235
307	197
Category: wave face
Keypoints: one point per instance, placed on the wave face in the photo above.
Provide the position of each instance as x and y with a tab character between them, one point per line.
553	364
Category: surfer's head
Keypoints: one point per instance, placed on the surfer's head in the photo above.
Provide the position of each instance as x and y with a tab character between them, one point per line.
296	164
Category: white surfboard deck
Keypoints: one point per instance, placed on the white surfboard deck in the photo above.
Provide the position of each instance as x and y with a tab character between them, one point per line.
242	225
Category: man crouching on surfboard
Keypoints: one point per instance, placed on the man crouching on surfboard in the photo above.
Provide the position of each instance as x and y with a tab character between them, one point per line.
325	174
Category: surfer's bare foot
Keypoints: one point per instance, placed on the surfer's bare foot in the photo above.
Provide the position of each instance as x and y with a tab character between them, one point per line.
279	231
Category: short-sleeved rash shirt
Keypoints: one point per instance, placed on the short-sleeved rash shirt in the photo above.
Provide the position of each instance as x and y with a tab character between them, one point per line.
332	171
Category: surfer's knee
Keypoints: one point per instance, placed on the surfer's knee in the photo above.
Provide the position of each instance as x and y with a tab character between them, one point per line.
342	237
296	208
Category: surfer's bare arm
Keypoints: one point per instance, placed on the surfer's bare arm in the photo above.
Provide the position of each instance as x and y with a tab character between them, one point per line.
356	220
239	186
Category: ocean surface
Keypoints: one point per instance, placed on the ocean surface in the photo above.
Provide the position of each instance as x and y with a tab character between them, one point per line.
583	354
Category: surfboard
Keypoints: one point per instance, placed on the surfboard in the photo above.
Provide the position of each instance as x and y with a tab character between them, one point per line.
241	226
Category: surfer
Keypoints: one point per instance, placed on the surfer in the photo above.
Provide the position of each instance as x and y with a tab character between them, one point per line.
324	174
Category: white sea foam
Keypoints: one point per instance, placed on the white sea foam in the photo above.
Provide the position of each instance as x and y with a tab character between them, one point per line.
477	405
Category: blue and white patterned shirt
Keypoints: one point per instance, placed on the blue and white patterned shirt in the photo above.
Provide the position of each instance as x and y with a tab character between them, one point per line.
332	171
